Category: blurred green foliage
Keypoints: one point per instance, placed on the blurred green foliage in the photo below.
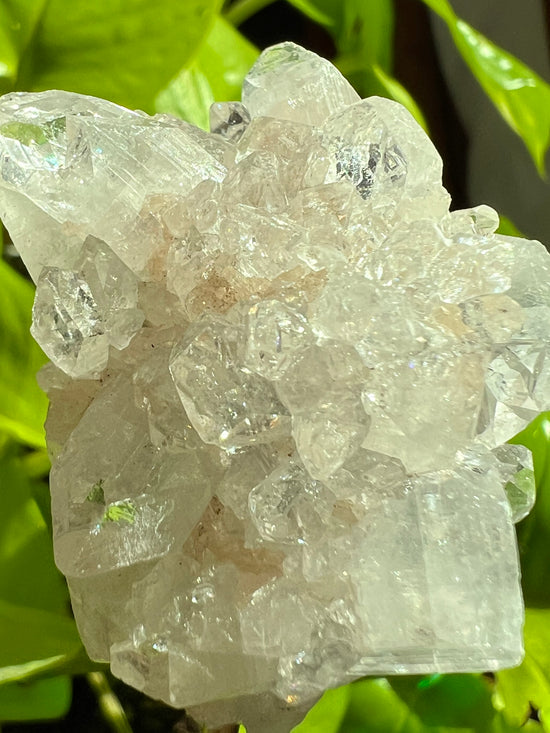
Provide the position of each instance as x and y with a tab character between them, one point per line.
122	50
529	685
42	699
215	74
179	57
520	95
22	403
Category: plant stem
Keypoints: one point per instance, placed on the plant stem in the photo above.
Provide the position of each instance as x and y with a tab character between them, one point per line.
109	704
244	9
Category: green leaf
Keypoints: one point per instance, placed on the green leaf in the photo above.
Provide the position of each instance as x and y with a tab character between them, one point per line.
443	9
327	715
534	531
33	641
374	707
367	31
519	94
313	11
189	96
529	684
36	633
508	228
17	26
215	75
28	576
9	56
394	90
40	700
454	700
111	709
22	403
362	30
123	50
37	464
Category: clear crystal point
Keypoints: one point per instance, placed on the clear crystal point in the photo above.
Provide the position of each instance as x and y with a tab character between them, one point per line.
229	119
291	83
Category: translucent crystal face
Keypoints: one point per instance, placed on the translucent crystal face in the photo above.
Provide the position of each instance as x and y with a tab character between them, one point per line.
229	119
283	377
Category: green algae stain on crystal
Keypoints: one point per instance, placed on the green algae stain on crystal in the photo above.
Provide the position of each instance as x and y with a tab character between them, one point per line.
97	495
120	511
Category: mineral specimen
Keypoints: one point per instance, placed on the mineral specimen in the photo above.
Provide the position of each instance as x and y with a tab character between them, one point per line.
282	380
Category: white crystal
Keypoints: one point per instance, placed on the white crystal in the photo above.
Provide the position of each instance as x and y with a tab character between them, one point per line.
277	334
89	164
229	119
283	377
516	469
291	83
226	406
86	309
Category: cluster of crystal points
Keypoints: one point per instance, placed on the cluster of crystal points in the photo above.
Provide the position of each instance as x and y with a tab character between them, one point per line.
283	377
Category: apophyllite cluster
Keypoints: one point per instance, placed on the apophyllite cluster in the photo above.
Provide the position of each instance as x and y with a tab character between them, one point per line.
282	380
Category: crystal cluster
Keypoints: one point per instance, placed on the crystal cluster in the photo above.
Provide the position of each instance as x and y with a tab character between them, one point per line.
282	380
